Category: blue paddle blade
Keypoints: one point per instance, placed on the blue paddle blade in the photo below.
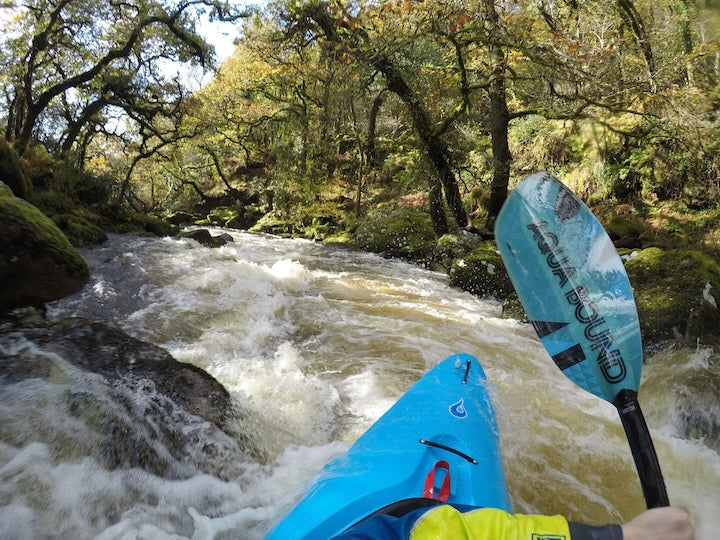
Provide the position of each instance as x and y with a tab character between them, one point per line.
572	284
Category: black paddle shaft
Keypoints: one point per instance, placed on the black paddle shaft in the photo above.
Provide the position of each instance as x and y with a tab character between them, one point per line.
642	448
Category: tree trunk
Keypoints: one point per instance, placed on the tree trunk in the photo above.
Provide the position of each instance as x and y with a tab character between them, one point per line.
74	128
685	29
434	147
631	16
437	208
499	119
370	148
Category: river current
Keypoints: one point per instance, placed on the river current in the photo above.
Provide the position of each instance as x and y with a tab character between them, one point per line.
314	343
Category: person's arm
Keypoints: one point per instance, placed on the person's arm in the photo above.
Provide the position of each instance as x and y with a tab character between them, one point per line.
445	521
666	523
487	524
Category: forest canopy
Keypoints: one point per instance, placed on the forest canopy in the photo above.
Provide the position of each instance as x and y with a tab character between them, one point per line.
346	103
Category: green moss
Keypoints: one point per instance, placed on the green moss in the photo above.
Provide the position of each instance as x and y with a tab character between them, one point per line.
677	293
224	216
403	233
482	272
37	262
78	230
622	227
272	223
44	229
452	246
11	171
340	237
5	190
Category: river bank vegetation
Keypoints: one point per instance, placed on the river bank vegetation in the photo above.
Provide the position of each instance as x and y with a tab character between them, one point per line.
394	126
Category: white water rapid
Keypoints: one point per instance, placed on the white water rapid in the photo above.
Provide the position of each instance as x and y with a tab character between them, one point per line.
314	344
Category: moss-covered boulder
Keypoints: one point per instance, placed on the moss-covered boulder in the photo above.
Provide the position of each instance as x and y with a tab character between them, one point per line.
405	233
340	238
482	272
153	224
274	223
204	237
225	216
11	171
79	230
181	218
677	293
37	262
452	246
512	308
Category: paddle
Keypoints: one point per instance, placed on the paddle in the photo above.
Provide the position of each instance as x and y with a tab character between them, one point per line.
576	293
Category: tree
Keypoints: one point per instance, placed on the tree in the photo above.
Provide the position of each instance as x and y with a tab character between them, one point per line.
345	33
73	60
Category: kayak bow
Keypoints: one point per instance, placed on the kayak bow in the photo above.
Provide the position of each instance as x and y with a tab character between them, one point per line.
439	442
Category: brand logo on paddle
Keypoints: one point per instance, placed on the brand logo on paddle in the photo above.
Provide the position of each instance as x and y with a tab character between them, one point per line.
595	329
458	410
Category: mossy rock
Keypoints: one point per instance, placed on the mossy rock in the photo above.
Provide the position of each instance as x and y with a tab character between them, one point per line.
404	233
512	308
79	230
180	218
272	223
37	262
623	226
452	246
345	238
225	216
482	272
154	224
5	190
251	215
677	293
11	171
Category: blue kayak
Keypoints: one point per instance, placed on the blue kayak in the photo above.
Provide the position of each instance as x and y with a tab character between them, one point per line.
439	442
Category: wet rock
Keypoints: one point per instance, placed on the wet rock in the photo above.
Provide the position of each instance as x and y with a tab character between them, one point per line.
482	272
680	390
452	246
512	308
37	262
181	218
677	292
93	390
11	171
204	237
404	233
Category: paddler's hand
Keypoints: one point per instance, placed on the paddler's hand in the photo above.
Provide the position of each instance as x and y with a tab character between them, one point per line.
666	523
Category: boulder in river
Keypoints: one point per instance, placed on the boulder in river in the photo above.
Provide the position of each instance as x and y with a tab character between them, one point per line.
37	262
482	272
204	237
87	389
677	293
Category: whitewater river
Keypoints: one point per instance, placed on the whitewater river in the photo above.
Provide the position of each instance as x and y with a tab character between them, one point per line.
314	344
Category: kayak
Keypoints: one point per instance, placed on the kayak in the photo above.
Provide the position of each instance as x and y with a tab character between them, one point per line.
438	443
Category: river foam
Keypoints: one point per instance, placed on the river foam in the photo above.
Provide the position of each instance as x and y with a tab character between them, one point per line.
314	343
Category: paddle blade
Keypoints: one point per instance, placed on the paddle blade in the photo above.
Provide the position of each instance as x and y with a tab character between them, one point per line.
572	285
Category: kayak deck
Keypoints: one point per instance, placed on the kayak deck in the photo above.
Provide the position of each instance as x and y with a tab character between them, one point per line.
444	425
